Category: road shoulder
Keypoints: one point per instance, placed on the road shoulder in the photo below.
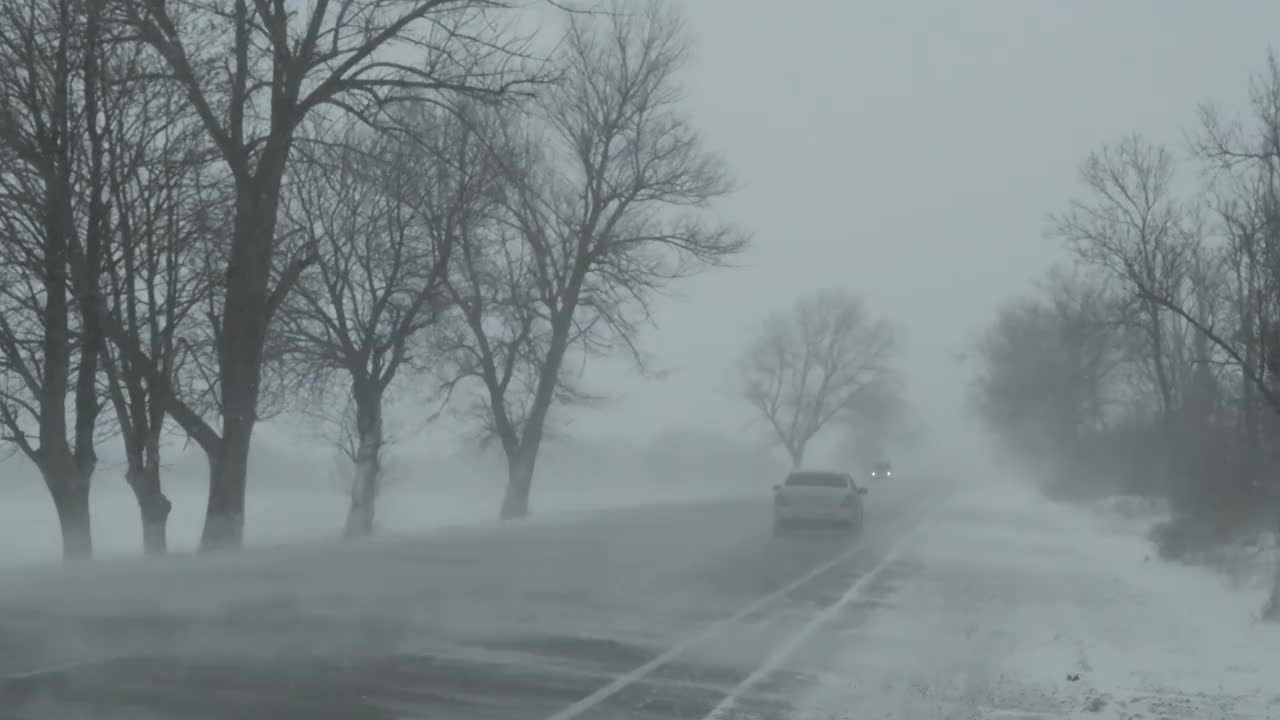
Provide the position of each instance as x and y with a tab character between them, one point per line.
1010	606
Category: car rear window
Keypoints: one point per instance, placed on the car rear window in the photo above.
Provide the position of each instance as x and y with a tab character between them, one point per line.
814	479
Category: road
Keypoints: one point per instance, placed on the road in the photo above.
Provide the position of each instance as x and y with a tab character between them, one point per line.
660	612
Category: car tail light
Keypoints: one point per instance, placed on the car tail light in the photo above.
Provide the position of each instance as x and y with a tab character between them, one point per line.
847	501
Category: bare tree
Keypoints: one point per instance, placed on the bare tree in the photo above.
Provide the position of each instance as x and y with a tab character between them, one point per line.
1053	370
1242	213
1132	224
52	201
383	212
1246	162
606	207
1207	287
813	364
253	73
1248	169
156	278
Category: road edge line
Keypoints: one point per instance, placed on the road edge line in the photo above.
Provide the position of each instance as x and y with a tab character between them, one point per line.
705	633
56	668
793	643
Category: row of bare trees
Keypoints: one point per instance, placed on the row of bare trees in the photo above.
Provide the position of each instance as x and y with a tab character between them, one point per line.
822	362
1151	367
211	213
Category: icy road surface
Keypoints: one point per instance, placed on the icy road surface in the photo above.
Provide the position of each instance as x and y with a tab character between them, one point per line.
983	604
658	612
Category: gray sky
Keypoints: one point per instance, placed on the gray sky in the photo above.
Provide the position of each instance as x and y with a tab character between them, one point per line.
911	151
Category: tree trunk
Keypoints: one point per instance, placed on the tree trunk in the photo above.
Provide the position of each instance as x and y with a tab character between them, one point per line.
364	497
241	340
520	464
70	492
73	517
796	451
229	465
140	418
154	506
1271	611
368	464
522	457
228	471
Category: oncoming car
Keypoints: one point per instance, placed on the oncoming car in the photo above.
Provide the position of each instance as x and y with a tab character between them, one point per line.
817	497
882	469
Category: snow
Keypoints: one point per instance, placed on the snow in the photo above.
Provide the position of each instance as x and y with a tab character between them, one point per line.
298	493
1009	606
621	575
285	515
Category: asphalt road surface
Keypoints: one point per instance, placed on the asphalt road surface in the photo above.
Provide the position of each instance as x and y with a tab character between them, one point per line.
663	612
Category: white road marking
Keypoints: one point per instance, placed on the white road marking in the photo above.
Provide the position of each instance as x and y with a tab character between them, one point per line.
784	651
60	668
990	713
707	632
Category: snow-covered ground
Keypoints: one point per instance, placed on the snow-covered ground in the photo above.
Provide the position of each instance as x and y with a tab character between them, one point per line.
297	491
1012	607
29	527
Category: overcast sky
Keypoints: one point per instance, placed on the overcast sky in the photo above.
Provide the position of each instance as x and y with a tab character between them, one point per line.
911	151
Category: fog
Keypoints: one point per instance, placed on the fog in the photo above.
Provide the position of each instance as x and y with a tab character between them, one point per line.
302	497
912	152
524	335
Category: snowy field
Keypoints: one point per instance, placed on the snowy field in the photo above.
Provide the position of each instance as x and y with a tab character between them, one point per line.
277	515
1015	608
298	493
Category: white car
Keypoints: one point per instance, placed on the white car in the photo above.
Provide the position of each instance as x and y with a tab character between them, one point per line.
818	497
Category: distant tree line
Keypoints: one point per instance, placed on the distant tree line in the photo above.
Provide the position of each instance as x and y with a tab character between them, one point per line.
1151	365
214	213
